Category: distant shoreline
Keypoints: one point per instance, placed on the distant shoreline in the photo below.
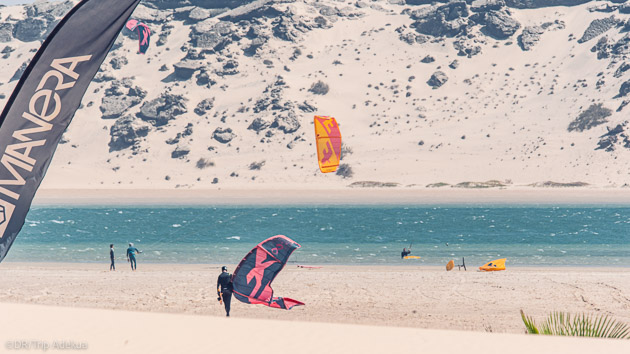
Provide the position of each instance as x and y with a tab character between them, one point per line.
161	266
346	196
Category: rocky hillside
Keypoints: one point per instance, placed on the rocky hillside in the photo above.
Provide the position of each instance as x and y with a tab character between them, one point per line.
480	93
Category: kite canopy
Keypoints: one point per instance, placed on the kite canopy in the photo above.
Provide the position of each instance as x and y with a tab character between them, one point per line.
328	138
498	264
144	34
253	276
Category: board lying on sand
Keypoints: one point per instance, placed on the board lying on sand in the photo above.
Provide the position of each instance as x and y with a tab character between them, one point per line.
450	265
308	267
411	257
497	264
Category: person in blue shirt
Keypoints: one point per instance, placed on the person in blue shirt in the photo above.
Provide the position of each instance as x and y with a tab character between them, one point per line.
131	255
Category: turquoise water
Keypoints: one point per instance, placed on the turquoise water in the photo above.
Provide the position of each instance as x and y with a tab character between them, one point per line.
530	236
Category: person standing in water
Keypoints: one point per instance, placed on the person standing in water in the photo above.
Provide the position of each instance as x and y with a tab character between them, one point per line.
224	289
111	257
131	255
405	252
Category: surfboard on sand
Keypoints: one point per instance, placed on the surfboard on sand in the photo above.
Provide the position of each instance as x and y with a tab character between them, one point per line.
450	265
308	267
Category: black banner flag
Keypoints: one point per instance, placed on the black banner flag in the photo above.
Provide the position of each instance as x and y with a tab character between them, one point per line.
45	99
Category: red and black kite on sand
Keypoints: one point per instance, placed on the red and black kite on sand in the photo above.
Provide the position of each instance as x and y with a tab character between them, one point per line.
253	276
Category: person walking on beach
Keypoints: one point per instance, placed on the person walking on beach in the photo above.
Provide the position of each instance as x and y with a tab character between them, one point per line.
131	255
224	289
111	257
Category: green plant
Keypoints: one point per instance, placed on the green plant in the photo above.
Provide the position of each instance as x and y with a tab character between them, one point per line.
564	324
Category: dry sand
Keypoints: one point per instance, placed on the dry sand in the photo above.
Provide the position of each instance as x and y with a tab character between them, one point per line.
106	331
339	196
404	296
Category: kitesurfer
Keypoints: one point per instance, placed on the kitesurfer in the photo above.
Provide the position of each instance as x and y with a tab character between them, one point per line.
131	255
111	257
224	289
405	252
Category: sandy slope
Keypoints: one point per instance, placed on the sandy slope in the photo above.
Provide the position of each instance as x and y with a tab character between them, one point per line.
106	331
503	114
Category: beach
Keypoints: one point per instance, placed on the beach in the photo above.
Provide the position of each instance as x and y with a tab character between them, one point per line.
398	296
308	195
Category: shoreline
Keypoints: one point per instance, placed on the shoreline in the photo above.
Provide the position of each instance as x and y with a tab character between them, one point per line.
362	267
334	197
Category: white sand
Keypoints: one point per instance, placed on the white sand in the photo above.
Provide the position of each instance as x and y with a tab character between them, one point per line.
403	296
107	331
340	196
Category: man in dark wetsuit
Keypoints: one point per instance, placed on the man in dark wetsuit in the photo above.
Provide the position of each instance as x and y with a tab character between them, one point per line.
131	255
111	257
405	252
224	289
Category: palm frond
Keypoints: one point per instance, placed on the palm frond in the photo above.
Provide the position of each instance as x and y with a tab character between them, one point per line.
564	324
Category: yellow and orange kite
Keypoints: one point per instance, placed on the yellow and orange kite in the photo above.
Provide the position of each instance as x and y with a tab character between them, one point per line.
328	138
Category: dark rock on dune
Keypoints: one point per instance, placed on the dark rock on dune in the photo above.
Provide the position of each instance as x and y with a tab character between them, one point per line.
624	8
622	46
211	36
6	32
180	152
285	28
199	14
428	59
259	124
204	78
287	122
438	79
223	135
447	20
623	104
621	69
608	141
56	9
103	77
163	109
487	5
204	106
114	106
6	51
598	27
118	62
307	107
533	4
602	48
454	64
624	89
423	2
500	25
18	73
185	69
30	29
272	96
126	132
230	67
218	4
529	37
467	47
